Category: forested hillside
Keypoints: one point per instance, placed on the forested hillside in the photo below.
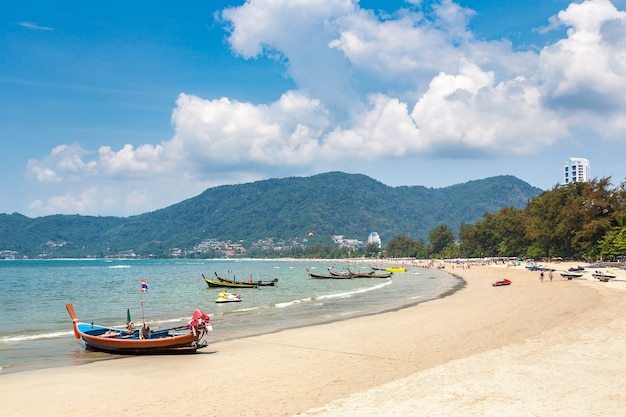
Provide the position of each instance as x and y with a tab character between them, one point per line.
327	204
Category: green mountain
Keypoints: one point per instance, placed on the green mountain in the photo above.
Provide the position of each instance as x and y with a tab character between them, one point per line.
327	204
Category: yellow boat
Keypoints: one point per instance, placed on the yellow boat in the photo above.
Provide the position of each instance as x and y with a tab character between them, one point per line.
395	269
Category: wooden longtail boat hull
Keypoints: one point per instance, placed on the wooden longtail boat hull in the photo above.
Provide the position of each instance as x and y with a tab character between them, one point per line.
259	283
186	339
223	284
318	276
372	274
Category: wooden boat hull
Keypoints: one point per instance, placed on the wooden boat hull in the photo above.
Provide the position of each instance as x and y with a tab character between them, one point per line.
223	284
259	283
318	276
372	274
112	340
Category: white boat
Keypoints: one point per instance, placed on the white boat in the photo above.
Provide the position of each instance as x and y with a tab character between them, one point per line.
604	276
571	274
227	297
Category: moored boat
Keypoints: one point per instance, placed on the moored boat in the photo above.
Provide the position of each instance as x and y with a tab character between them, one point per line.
370	274
259	283
340	274
183	339
219	284
319	276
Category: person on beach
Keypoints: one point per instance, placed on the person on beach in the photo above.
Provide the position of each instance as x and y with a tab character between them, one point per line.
541	276
550	275
145	332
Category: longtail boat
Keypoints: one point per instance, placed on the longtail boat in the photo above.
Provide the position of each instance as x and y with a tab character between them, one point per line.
370	274
342	274
220	284
319	276
259	283
183	339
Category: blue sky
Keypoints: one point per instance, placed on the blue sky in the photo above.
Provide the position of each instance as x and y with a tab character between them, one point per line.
124	108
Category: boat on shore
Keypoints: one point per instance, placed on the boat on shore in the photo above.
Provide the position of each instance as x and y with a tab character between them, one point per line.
502	282
183	339
319	276
228	297
259	283
604	276
571	274
223	284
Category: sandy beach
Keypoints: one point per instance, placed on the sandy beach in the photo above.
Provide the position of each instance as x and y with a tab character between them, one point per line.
528	349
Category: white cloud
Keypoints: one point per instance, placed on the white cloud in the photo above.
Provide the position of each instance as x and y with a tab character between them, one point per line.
584	75
34	26
406	85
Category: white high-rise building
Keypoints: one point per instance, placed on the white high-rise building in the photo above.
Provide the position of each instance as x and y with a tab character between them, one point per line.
373	238
576	170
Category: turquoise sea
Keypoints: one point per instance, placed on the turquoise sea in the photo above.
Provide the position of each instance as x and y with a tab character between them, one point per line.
36	330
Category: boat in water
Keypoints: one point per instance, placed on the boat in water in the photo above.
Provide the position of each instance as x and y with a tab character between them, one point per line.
225	284
183	339
228	297
370	274
320	276
259	283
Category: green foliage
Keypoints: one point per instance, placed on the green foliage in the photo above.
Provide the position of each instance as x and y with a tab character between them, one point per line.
579	220
405	247
440	237
327	204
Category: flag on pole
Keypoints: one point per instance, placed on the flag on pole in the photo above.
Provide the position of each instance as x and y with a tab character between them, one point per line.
144	285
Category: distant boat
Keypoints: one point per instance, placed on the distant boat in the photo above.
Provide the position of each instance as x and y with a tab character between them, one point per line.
604	276
571	274
370	274
260	283
318	276
342	274
184	339
391	269
224	284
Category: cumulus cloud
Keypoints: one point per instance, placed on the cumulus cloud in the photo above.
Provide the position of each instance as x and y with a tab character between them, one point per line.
412	84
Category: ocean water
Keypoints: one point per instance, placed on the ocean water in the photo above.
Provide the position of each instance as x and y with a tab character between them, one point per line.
36	330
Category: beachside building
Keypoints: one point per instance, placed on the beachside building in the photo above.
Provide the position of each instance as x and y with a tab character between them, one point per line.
576	170
374	239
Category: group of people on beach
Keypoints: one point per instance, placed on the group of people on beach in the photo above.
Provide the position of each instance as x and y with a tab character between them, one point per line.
541	276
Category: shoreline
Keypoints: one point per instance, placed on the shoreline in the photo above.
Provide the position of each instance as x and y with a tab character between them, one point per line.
359	365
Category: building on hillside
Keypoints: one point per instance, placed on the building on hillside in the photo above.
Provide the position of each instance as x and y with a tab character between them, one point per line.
374	239
576	170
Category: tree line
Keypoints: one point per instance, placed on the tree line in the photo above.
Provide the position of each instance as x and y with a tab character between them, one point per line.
583	220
